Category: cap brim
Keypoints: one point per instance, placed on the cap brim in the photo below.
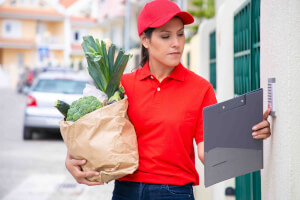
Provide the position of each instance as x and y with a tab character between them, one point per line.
186	17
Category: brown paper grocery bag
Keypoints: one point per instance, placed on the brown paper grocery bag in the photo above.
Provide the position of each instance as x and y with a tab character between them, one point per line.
106	139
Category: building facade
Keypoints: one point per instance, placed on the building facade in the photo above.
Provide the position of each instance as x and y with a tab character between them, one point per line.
248	42
31	34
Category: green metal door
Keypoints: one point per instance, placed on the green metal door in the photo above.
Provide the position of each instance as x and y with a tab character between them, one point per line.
247	78
212	59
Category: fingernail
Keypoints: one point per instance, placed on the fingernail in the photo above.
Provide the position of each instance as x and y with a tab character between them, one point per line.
254	134
254	128
83	161
97	173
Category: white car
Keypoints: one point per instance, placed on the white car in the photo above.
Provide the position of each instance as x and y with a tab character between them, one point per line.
40	113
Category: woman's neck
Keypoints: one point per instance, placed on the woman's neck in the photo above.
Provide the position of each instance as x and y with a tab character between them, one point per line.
159	70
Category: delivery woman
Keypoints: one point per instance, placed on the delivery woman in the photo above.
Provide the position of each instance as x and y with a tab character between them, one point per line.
165	106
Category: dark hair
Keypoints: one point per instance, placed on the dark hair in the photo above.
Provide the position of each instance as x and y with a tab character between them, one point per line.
144	52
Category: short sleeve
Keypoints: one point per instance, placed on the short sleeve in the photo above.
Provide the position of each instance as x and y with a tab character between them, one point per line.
209	99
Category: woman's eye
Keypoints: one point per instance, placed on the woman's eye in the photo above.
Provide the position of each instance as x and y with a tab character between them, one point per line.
181	34
165	37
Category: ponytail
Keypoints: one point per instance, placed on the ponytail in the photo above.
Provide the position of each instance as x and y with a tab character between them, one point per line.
144	52
144	56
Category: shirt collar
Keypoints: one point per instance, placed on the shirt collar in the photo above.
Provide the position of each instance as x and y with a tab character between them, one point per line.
177	74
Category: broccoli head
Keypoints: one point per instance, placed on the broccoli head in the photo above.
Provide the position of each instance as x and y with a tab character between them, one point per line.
82	107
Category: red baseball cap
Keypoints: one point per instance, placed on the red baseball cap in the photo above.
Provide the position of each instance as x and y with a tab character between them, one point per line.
158	12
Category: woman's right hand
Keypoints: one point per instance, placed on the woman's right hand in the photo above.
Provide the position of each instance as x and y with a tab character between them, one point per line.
73	166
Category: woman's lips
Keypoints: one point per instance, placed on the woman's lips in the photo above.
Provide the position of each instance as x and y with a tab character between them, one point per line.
174	53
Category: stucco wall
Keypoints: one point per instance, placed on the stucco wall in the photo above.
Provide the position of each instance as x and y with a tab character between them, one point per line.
280	58
10	62
28	29
224	42
204	30
1	21
193	49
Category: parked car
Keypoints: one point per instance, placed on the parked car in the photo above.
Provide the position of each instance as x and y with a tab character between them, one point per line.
59	69
40	113
27	77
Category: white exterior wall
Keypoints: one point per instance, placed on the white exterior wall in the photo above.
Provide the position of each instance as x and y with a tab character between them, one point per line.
280	58
204	30
224	43
200	192
131	65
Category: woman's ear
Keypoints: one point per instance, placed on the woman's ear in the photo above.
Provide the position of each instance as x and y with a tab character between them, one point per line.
144	40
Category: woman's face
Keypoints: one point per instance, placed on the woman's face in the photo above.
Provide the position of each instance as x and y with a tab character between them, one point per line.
166	44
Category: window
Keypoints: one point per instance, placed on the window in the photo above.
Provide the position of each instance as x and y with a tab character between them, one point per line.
11	29
76	36
8	28
13	2
188	60
247	78
20	57
42	3
41	28
60	86
212	60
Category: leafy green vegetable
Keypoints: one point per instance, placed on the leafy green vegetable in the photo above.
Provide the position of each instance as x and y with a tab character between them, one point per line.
82	107
105	70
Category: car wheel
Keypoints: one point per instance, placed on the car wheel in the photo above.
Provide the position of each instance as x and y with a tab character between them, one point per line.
27	134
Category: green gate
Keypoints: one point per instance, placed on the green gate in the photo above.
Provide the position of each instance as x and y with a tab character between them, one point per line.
247	78
212	59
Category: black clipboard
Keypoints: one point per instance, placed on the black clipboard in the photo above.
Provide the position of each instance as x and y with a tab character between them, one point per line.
229	148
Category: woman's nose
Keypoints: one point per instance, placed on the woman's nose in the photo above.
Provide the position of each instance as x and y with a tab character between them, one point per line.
175	42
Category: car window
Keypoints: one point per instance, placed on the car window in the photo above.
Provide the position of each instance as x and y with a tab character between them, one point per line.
60	86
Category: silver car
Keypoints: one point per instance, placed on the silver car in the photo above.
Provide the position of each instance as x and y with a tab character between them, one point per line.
40	113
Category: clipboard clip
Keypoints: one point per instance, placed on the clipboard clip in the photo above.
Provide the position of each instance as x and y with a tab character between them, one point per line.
233	103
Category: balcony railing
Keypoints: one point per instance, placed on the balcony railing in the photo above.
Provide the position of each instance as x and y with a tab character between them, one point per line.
53	42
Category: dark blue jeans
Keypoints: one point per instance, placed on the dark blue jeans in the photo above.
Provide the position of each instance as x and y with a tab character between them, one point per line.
127	190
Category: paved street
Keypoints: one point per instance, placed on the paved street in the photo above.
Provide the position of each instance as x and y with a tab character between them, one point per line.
34	170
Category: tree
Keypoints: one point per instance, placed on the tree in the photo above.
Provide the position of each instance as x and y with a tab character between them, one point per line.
205	10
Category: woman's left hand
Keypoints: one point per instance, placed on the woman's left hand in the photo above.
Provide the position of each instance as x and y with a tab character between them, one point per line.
262	130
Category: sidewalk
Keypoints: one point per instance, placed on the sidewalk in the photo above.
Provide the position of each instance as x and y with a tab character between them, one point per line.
4	79
58	187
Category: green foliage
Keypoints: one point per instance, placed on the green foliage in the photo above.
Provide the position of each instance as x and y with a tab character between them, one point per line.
188	39
105	70
205	9
82	107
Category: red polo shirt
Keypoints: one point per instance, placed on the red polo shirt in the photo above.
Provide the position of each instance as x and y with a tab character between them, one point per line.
167	116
